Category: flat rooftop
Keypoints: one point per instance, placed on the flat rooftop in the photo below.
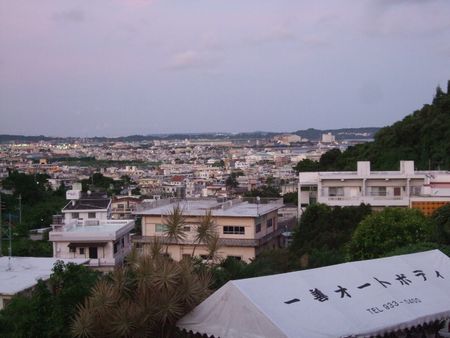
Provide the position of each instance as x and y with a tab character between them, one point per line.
83	230
26	271
101	228
224	209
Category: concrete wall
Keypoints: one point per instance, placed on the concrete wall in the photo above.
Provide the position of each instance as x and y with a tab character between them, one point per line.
106	255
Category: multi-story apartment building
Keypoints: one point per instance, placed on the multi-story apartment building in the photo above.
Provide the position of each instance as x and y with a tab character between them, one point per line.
425	190
104	242
122	207
244	228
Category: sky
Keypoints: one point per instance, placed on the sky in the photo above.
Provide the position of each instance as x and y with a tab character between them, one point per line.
123	67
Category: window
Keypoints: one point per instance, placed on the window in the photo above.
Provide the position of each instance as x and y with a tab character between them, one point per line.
72	249
233	230
378	191
160	227
270	223
258	227
75	215
81	251
120	206
91	214
187	228
335	191
122	242
238	258
116	245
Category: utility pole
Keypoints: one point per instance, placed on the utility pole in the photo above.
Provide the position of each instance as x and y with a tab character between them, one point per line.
20	208
10	244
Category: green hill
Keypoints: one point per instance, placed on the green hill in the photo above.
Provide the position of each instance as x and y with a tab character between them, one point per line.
423	136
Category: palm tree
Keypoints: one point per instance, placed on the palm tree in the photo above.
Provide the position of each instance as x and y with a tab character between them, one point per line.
204	231
143	299
213	245
174	222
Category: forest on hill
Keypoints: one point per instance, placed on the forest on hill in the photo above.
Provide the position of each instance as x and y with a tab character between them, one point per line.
423	136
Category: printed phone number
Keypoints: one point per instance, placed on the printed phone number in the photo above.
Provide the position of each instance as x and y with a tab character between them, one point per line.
392	305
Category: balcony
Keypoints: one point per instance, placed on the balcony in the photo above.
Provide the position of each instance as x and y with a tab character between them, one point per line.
123	210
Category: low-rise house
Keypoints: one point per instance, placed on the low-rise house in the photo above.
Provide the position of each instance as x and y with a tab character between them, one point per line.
86	206
104	242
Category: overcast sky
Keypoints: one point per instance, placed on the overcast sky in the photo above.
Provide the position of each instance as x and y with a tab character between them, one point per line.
121	67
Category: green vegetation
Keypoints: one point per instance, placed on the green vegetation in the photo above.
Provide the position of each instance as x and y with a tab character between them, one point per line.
422	136
50	308
290	198
328	235
38	203
264	191
323	233
231	181
144	299
441	221
267	263
306	165
388	230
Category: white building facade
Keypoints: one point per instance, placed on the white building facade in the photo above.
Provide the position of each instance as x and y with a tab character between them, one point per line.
104	242
407	187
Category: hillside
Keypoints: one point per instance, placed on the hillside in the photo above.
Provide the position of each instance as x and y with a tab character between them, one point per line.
423	136
311	134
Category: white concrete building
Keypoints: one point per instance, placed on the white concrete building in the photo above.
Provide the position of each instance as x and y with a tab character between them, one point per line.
104	242
425	190
328	138
86	206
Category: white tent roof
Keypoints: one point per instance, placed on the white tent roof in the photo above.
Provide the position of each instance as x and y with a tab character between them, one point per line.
357	299
21	273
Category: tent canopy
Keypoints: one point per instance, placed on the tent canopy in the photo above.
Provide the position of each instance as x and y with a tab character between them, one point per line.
357	299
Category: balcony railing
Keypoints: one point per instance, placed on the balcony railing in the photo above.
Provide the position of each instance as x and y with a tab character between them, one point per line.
122	210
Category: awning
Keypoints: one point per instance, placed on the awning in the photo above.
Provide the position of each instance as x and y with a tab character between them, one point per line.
357	299
86	244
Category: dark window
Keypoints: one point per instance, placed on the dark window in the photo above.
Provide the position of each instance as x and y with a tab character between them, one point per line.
81	251
122	241
238	258
115	247
233	230
75	215
187	228
91	214
335	191
93	252
269	223
72	249
258	227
